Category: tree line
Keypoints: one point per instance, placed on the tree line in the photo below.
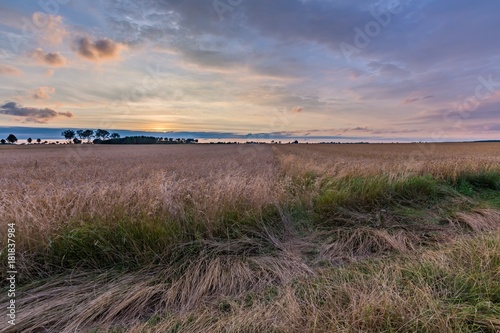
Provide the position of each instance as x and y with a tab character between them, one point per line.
72	135
12	139
88	134
100	136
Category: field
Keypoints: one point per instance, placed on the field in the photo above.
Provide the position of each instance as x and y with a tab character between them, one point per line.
253	238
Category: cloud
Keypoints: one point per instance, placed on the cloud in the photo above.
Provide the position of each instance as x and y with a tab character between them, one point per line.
211	59
280	96
357	129
295	44
43	92
416	99
101	49
53	30
324	22
492	127
29	114
53	59
352	132
483	112
388	69
297	109
9	70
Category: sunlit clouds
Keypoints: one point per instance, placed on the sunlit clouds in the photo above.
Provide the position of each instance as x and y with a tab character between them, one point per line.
101	49
51	29
418	68
54	59
43	92
9	70
31	114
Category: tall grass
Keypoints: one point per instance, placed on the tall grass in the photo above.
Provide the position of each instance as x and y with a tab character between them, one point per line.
165	238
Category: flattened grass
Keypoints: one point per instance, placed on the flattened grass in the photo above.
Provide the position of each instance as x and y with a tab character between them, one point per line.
452	288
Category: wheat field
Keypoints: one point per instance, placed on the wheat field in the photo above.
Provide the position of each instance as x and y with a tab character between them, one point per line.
254	238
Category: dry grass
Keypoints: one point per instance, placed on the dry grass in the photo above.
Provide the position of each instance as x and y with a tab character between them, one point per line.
451	289
41	190
440	160
251	238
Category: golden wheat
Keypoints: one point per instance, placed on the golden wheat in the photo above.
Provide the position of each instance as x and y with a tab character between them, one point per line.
272	276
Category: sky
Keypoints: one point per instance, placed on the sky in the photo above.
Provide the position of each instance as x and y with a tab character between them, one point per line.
374	70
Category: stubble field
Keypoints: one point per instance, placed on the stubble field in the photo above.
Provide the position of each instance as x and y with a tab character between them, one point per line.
253	238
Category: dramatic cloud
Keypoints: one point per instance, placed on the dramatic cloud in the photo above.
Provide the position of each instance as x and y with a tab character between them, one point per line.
9	70
43	92
101	49
50	59
29	114
52	29
232	65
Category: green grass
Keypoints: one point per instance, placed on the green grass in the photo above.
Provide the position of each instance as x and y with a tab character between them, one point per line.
94	244
480	180
131	245
379	192
484	187
490	198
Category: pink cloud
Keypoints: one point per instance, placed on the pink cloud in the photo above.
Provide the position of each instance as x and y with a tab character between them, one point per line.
54	59
9	70
101	49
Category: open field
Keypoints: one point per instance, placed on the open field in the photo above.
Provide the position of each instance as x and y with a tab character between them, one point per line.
253	238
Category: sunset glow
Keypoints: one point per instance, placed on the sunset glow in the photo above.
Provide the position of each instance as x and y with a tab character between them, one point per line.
406	70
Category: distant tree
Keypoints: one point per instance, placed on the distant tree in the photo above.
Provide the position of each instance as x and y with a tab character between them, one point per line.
68	134
88	134
102	134
79	133
130	140
38	140
12	138
115	136
30	140
77	141
3	141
